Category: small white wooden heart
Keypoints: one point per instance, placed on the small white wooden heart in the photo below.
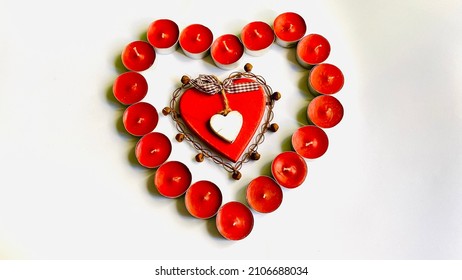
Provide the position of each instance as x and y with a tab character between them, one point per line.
227	127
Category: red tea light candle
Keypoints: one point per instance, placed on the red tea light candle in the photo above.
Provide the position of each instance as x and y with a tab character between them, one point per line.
234	221
325	78
264	194
130	87
195	41
138	56
163	35
172	179
153	149
289	169
226	51
289	29
310	141
140	118
257	37
203	199
325	111
312	49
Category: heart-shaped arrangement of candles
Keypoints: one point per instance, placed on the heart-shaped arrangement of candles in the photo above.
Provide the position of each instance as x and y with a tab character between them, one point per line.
232	128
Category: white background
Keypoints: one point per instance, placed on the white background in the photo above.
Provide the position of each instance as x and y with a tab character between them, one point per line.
389	186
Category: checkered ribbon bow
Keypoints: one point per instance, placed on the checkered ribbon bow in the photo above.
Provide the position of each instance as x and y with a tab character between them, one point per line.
211	85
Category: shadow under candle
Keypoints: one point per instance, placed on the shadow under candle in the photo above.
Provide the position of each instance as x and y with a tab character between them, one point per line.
151	187
181	207
118	64
211	225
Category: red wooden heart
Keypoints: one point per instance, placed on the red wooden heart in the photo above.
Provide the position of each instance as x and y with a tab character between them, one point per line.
196	109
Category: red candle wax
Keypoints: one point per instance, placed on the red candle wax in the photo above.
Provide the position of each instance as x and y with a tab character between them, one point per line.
289	169
312	49
163	35
138	56
264	194
226	51
195	40
153	149
325	78
234	221
140	118
203	199
172	179
257	37
325	111
289	29
130	87
310	141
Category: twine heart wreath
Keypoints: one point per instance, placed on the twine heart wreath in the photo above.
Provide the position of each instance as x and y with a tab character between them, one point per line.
233	114
238	113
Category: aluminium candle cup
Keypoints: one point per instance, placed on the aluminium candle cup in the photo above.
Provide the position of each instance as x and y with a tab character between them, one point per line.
169	50
163	35
257	38
138	56
195	40
172	179
312	50
264	195
256	53
310	141
325	111
140	118
153	149
285	44
227	51
289	28
203	199
130	87
289	169
325	78
234	221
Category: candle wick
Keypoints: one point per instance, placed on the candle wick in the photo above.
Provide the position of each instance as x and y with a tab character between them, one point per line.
207	196
226	47
134	86
236	221
198	37
176	179
257	33
329	113
291	27
136	51
317	49
163	35
264	195
290	169
140	120
309	143
330	79
154	151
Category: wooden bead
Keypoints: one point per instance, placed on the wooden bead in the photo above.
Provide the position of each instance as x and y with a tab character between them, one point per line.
255	156
276	95
248	67
236	175
166	111
185	80
179	137
274	127
200	157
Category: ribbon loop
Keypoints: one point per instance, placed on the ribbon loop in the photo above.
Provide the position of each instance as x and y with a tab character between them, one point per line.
210	84
207	83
